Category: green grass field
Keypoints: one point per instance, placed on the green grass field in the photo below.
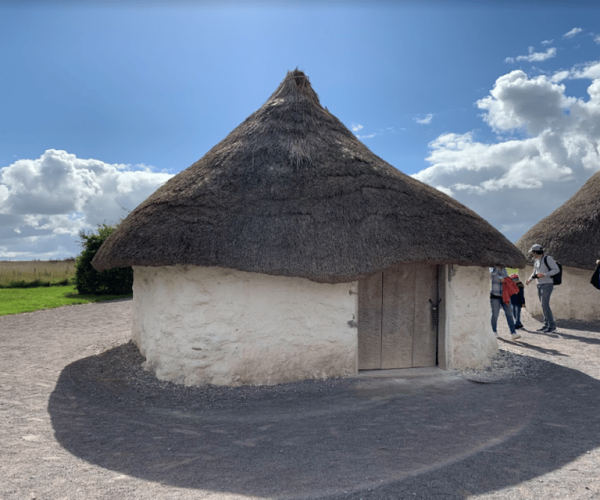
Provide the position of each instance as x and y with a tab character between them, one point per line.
19	300
40	272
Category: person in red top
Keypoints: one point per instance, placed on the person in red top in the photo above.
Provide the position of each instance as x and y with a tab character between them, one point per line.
517	301
497	276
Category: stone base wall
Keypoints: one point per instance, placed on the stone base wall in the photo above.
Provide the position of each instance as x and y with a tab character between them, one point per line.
198	325
470	342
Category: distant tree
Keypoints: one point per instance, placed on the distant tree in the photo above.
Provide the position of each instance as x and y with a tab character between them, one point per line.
117	281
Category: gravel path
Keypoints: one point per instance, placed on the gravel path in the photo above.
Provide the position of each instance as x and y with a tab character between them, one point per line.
79	419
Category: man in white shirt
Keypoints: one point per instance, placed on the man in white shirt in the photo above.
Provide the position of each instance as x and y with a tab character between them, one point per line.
543	270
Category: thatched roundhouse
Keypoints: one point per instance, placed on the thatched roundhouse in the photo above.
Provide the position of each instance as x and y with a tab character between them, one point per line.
571	234
290	251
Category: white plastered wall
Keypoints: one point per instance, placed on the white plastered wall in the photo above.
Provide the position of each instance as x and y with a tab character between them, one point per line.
574	298
210	325
469	340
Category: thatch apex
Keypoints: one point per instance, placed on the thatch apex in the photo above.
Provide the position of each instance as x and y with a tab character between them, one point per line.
571	234
291	191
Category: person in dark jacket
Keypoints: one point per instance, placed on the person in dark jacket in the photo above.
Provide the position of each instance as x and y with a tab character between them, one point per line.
517	301
595	281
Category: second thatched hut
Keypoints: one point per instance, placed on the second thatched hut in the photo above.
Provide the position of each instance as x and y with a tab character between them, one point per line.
290	251
571	234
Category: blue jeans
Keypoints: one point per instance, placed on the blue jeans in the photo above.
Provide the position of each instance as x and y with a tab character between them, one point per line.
544	292
516	310
496	305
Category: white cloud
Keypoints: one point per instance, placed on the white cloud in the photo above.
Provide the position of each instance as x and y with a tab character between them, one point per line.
597	39
560	76
547	42
548	149
518	102
533	56
357	127
589	71
44	203
424	121
572	33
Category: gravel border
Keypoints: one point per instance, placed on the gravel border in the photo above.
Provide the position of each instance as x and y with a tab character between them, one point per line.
116	371
506	366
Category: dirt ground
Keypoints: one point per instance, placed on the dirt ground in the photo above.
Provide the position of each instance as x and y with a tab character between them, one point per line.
79	419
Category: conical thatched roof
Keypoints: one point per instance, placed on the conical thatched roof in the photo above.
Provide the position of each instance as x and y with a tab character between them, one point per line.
291	191
571	234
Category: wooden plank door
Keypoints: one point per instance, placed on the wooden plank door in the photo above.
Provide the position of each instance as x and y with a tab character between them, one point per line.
370	304
395	324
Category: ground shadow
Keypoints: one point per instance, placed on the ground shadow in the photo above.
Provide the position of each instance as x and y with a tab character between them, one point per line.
542	350
572	324
437	438
559	333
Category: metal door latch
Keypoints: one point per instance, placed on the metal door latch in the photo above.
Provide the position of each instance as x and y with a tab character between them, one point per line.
434	313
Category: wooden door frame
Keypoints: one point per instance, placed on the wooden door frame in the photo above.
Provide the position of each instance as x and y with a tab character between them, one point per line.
444	277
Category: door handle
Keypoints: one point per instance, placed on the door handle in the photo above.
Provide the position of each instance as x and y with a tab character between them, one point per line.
434	313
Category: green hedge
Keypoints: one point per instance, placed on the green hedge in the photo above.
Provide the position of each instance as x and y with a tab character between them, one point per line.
118	281
35	283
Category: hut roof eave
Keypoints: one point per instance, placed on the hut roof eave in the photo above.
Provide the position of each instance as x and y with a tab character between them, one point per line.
571	233
291	191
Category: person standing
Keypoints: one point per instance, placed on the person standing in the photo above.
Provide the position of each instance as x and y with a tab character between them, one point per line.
543	270
497	276
517	301
595	281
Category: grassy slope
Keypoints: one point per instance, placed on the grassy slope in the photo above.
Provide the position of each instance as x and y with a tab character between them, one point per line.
19	300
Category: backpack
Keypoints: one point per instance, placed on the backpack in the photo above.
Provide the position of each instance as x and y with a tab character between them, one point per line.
557	278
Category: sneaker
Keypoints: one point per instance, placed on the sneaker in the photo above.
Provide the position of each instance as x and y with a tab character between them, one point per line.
550	330
518	326
543	329
515	336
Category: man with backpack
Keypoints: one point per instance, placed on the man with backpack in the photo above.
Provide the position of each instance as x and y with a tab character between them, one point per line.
544	268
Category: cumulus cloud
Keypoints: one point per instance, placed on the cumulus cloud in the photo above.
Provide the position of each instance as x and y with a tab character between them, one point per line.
46	202
547	147
533	56
572	33
518	102
356	127
424	121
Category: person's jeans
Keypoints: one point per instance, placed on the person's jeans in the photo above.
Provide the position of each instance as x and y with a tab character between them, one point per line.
516	310
496	305
544	292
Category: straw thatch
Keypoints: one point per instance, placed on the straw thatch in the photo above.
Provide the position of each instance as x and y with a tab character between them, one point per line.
291	191
571	233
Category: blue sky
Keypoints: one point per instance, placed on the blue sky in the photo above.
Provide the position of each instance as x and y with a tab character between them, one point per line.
102	103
